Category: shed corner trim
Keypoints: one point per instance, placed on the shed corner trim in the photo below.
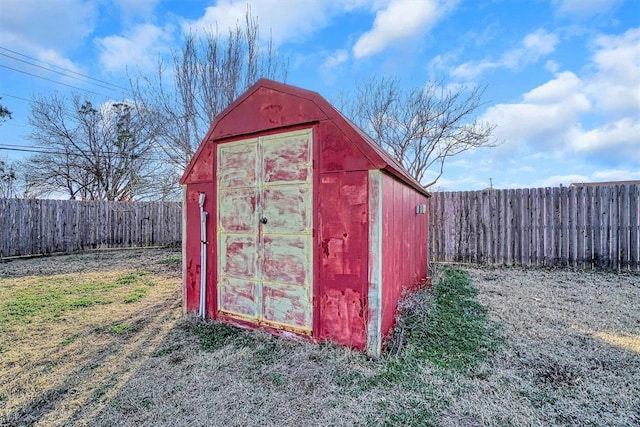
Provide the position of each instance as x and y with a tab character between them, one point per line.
374	297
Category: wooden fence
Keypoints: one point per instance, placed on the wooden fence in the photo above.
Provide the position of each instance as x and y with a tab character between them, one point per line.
584	227
30	226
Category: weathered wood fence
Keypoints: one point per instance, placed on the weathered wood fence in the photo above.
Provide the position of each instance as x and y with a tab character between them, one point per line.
31	226
585	227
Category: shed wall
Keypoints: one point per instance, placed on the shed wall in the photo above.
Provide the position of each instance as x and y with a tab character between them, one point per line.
192	267
337	152
343	251
404	244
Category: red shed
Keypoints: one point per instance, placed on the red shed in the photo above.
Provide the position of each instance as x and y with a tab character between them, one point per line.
301	223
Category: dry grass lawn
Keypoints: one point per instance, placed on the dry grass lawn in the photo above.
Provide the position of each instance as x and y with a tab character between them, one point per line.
74	328
98	339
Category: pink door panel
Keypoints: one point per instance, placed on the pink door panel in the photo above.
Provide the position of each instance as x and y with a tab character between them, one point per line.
238	256
238	210
287	209
238	297
286	306
286	260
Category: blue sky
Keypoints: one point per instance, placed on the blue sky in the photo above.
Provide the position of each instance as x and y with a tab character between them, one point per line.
562	76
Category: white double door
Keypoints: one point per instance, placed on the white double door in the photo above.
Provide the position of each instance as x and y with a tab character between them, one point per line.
264	229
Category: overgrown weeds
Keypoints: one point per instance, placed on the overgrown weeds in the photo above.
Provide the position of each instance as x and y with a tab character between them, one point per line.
446	326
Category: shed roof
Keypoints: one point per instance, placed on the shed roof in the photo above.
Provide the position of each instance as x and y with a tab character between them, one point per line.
234	121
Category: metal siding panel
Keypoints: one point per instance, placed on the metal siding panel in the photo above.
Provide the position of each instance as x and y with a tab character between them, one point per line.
403	245
343	223
389	240
185	253
202	170
266	109
338	152
192	246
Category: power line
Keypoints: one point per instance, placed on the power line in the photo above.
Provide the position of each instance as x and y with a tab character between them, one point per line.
61	68
54	81
9	124
58	72
27	149
16	97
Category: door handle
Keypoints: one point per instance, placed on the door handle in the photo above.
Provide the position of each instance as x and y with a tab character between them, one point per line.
263	220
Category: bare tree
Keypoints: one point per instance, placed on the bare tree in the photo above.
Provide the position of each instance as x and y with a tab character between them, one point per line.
209	72
421	127
8	178
7	170
91	152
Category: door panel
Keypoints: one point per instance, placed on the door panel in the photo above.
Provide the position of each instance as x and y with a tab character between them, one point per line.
238	256
287	209
287	306
287	158
286	260
237	230
238	210
238	297
237	164
265	230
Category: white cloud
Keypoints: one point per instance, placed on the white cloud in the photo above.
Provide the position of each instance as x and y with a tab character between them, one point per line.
616	140
46	30
399	21
584	8
560	116
53	57
138	48
283	21
52	25
534	46
337	58
615	86
546	114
